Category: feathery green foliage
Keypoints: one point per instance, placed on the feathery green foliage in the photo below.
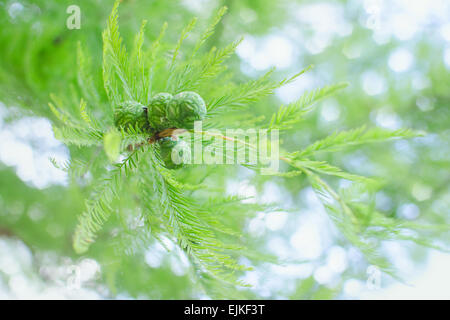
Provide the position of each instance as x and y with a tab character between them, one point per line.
359	136
295	111
178	211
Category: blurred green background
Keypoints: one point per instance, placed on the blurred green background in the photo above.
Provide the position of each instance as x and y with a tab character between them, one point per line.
396	57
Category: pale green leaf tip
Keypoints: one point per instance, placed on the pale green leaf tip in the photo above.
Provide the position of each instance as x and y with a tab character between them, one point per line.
111	144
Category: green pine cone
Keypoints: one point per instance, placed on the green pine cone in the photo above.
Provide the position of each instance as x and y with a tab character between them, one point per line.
175	153
130	114
157	117
173	113
166	111
188	107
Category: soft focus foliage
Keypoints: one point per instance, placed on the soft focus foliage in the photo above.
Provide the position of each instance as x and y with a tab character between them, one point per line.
364	134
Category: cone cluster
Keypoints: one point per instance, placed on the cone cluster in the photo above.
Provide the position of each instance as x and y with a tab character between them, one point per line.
163	112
